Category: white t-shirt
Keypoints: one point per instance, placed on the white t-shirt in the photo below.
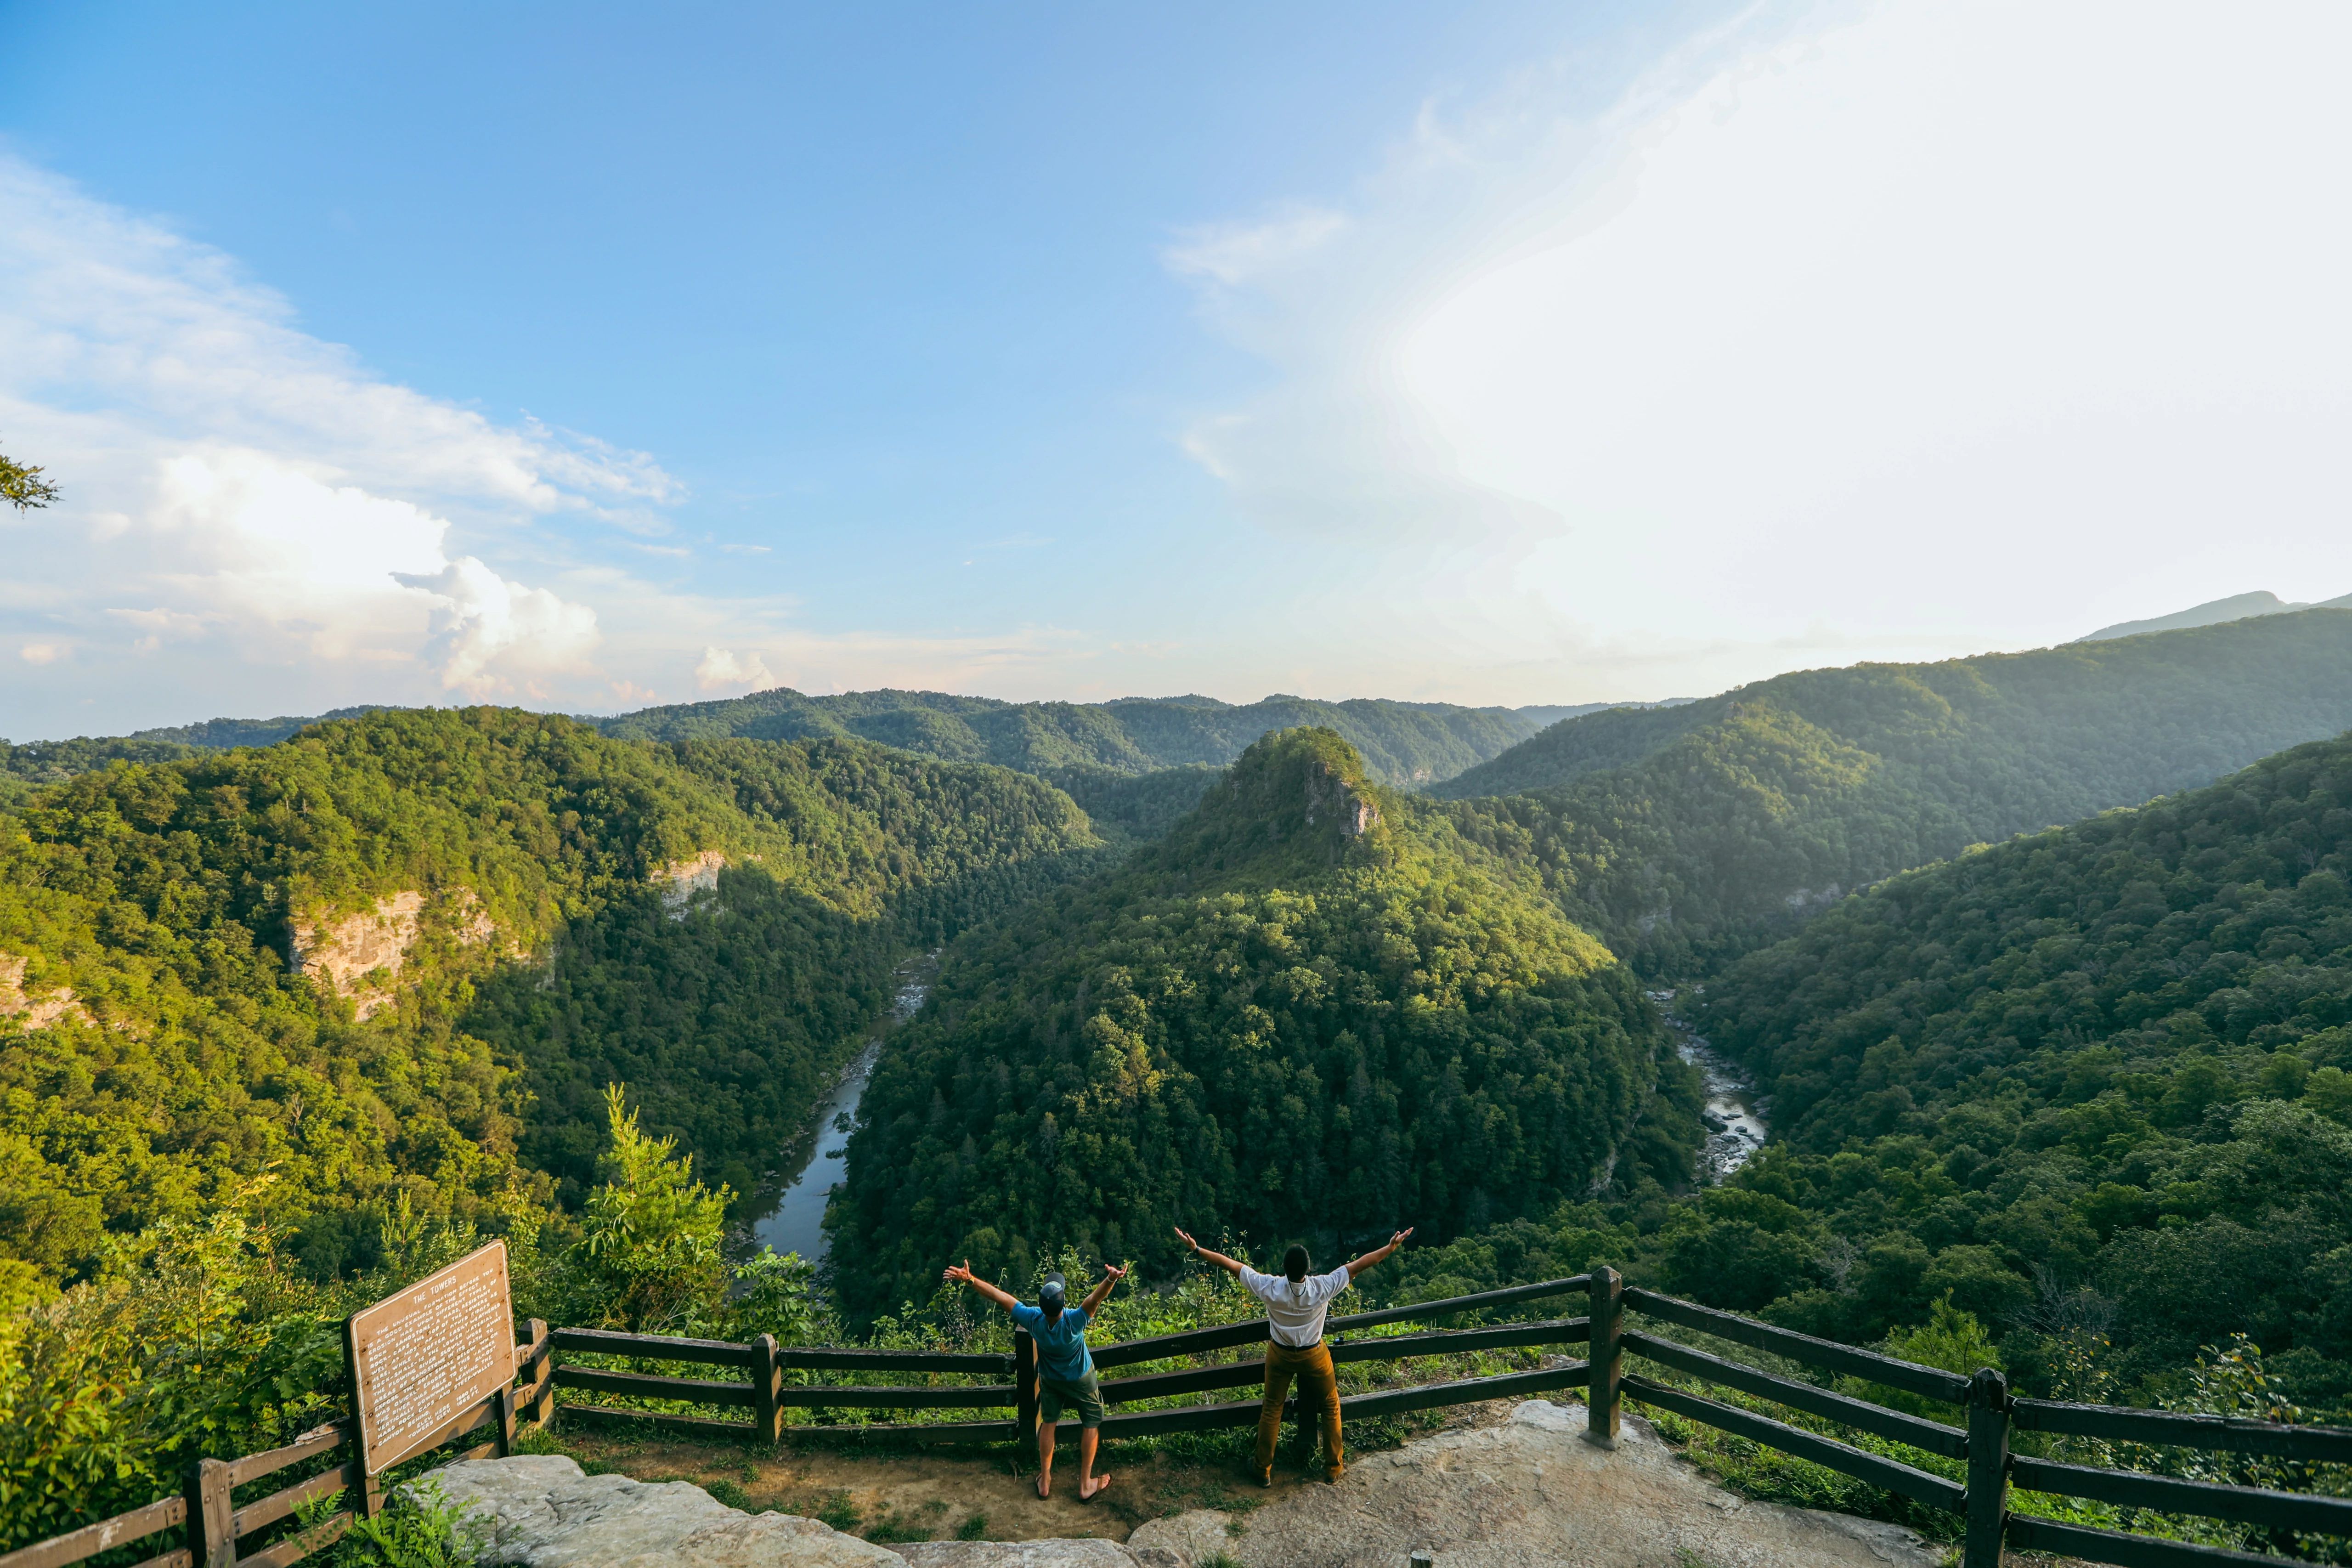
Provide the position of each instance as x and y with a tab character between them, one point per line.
1295	1312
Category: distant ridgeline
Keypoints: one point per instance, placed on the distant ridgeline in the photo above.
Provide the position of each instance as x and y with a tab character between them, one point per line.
1401	742
1312	1010
1687	834
2095	1080
1078	745
405	951
52	761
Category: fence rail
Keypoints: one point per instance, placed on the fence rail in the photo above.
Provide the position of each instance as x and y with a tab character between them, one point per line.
209	1524
1992	1415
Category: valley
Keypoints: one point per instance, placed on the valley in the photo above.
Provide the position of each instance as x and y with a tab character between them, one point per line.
796	1224
1975	1005
1734	1114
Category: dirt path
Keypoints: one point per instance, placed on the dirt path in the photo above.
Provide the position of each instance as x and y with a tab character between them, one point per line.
934	1496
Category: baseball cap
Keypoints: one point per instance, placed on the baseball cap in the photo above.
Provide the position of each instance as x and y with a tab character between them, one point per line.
1054	1292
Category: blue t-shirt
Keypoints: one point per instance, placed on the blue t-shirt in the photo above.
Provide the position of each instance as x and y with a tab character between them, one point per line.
1061	1344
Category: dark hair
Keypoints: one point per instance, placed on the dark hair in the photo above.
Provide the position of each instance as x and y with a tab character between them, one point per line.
1294	1263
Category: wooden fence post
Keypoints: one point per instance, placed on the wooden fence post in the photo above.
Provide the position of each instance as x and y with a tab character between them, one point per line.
1606	1359
542	1410
767	1381
212	1528
1024	1379
502	1406
1988	1494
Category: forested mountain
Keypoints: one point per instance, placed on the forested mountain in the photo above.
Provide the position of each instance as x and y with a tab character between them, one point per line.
51	762
2092	1080
1688	835
1128	807
2036	738
2213	612
1313	1010
385	956
1401	742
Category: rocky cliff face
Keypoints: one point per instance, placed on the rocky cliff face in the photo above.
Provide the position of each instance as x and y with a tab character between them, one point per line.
680	880
31	1012
361	956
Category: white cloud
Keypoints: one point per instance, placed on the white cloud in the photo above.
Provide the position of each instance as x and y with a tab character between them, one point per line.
166	335
254	524
721	671
1892	329
487	630
253	500
1234	254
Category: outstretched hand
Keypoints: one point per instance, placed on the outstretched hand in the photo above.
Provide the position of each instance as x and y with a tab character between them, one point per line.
1186	1237
1112	1271
957	1273
1400	1238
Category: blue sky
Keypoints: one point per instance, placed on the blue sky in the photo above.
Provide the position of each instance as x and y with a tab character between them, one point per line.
584	357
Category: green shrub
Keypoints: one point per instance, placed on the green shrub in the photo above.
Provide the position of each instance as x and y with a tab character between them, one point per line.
421	1528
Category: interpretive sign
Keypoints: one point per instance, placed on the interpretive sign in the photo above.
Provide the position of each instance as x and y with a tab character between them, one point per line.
427	1358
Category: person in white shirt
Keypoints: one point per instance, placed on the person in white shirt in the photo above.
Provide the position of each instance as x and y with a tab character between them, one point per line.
1297	1302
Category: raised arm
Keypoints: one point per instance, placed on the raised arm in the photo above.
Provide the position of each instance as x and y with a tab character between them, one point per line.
1356	1266
1112	1275
1229	1265
961	1274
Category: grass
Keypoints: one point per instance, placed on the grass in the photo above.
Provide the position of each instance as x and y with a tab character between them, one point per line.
1767	1475
731	1493
896	1526
973	1529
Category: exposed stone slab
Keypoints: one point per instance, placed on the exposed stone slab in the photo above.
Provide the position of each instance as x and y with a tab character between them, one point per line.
1022	1554
1530	1493
541	1512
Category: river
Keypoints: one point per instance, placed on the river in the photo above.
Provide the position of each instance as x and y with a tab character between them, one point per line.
797	1222
1735	1112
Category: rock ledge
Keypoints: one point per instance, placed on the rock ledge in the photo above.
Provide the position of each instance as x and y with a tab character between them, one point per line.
1528	1493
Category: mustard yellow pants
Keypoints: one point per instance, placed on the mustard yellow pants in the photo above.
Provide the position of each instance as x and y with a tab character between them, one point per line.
1319	1390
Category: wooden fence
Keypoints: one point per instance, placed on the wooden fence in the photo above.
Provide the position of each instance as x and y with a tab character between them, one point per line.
766	1394
1982	1443
209	1523
1987	1415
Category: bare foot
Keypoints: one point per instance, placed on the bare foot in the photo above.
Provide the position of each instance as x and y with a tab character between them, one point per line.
1087	1494
1045	1483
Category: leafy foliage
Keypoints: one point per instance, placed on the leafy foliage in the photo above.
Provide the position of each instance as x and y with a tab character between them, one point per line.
2071	1081
147	913
653	1233
421	1528
1689	835
1136	806
21	485
192	1339
1313	1010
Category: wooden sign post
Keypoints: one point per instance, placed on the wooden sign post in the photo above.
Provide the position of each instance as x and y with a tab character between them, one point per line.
435	1360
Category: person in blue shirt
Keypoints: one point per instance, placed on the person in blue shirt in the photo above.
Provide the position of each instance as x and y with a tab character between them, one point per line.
1066	1373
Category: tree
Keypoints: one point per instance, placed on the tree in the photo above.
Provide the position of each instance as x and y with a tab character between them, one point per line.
21	485
654	1232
